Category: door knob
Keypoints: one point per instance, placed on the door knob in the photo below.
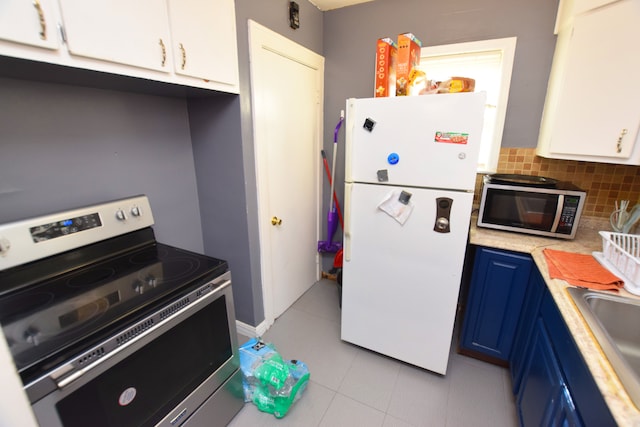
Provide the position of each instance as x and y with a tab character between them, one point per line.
276	221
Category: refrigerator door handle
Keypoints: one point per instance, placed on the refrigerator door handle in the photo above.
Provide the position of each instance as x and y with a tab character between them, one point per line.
347	222
348	134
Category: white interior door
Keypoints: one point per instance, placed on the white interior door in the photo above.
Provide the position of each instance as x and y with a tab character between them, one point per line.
287	88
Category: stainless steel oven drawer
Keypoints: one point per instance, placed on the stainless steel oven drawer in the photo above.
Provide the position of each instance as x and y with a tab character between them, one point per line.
221	407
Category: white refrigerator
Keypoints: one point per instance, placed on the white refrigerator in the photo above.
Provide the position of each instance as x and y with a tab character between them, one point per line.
410	169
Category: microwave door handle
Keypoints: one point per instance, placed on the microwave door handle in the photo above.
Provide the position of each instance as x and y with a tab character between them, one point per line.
559	208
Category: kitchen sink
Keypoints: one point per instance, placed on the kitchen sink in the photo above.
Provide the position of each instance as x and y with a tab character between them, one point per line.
615	322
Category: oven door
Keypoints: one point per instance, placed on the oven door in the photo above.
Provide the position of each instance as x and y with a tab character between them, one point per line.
161	377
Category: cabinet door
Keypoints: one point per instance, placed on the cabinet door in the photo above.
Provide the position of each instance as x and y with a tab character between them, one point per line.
563	411
581	6
530	309
204	39
583	390
568	9
597	109
498	285
29	22
541	384
126	32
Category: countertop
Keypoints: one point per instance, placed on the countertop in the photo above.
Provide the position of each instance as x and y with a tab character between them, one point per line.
587	240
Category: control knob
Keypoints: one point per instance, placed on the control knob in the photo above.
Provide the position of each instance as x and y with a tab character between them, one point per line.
151	280
138	287
121	215
135	211
32	335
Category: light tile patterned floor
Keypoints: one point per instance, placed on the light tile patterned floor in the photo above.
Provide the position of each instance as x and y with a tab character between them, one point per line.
351	386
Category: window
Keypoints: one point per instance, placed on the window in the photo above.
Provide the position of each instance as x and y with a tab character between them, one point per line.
489	62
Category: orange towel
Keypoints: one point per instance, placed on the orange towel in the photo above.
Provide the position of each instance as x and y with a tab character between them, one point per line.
580	270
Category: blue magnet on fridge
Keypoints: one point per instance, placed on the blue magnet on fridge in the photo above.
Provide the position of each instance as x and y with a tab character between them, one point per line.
393	158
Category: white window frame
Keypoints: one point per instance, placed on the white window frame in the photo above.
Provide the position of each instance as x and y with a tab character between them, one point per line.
507	46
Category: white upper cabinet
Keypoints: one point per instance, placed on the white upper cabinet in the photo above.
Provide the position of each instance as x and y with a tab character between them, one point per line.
204	39
592	110
182	42
126	32
31	23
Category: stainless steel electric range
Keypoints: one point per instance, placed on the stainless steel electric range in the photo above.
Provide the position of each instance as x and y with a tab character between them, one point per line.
108	327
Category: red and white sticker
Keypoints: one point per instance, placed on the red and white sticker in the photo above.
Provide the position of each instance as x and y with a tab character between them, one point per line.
452	137
127	396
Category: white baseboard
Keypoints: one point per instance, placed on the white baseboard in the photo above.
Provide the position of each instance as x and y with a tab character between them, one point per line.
251	331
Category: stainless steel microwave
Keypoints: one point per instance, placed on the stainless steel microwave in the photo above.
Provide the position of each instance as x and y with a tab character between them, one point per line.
531	205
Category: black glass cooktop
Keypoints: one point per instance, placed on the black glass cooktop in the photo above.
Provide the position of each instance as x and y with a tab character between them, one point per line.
61	312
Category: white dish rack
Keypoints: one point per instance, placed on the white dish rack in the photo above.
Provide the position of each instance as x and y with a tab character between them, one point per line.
621	255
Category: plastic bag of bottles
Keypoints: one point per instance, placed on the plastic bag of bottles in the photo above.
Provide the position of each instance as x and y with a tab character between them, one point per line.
270	382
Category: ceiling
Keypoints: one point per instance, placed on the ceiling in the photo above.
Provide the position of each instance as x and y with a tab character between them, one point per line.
325	5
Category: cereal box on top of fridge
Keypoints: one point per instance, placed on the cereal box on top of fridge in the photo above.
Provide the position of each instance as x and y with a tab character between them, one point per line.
408	58
386	56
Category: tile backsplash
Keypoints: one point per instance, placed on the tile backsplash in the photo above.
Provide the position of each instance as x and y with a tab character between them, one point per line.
604	183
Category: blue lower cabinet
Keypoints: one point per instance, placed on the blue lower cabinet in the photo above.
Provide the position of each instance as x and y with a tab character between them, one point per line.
496	293
512	319
556	387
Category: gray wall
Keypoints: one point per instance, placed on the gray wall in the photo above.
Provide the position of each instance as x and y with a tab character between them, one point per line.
350	36
217	149
66	146
350	51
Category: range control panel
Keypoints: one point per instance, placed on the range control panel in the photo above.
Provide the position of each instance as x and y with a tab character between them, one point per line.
40	237
65	227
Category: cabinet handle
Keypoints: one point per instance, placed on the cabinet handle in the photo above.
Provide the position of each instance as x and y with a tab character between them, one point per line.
619	144
184	56
164	53
43	22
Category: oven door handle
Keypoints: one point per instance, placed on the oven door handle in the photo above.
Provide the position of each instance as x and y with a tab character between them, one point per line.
204	294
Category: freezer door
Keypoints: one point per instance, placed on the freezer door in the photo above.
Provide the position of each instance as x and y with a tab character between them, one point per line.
400	283
423	141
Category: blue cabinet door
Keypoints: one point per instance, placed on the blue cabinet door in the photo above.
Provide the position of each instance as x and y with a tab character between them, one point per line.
498	285
563	411
584	392
556	387
530	309
541	383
